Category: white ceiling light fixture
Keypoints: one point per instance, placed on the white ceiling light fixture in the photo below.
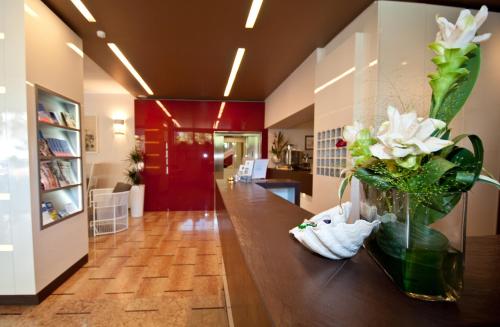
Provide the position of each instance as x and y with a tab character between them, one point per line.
216	125
176	123
254	12
75	48
30	11
373	63
163	108
130	68
221	109
234	70
83	10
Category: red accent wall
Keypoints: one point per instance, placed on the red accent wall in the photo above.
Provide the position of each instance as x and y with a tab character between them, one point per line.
189	184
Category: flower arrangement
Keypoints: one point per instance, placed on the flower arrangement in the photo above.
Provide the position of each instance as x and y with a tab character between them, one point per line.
417	154
414	173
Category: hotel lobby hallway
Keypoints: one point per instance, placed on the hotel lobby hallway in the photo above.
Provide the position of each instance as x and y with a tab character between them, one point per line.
165	270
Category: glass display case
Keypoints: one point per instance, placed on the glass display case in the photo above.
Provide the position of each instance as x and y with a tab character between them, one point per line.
59	157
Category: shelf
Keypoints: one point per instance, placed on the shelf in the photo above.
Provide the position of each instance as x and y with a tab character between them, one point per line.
42	123
61	188
62	219
56	158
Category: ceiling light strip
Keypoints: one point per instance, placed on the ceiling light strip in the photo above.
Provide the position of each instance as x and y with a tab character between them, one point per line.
216	125
75	48
163	108
176	123
234	70
130	68
83	10
221	109
254	12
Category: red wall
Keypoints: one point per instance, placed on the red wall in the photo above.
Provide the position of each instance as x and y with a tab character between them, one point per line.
189	184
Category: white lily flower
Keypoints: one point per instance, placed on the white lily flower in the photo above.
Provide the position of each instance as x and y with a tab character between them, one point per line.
351	132
464	31
406	134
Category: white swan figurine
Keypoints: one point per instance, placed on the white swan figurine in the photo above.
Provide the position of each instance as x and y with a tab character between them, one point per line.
329	234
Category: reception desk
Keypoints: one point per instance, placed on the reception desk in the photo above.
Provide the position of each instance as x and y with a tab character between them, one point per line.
274	281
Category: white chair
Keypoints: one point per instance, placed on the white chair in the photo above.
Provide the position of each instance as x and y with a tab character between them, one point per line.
109	211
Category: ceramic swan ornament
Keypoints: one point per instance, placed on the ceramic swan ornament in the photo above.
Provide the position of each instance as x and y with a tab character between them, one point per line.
329	234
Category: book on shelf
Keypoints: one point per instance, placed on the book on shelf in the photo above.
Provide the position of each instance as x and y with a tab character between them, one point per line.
68	209
59	147
68	120
48	180
43	115
43	146
49	213
66	176
55	118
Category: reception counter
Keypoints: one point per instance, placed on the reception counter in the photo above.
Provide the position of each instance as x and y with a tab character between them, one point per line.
274	281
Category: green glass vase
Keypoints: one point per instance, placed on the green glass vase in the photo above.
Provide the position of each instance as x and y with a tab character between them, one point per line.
420	243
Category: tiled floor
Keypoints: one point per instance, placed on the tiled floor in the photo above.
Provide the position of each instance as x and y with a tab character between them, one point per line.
165	270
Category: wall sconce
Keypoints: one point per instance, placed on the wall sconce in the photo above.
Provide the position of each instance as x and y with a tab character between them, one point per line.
119	126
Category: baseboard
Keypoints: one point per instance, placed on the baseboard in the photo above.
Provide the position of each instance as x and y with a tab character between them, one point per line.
47	290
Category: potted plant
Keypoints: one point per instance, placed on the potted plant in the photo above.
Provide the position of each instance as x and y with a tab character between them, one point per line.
415	177
134	176
279	144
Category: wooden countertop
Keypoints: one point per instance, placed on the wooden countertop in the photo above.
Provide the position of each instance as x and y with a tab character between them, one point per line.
273	280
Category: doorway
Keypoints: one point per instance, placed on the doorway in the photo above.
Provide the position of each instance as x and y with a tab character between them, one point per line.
231	149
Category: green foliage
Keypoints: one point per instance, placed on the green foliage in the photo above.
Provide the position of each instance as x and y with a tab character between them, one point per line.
279	144
457	71
136	162
360	149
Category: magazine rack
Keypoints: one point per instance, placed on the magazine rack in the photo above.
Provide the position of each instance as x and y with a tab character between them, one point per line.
59	157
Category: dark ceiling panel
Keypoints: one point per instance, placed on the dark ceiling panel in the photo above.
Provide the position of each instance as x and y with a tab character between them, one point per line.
185	49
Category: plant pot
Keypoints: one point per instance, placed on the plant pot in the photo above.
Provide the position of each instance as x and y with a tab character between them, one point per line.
275	159
420	248
137	200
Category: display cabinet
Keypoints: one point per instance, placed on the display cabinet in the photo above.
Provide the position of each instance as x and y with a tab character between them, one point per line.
59	157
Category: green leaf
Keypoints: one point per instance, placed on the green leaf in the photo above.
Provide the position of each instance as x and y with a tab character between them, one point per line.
431	172
453	101
343	186
469	165
367	176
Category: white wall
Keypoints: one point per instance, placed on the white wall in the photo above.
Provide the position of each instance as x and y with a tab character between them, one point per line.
17	269
107	100
293	95
53	65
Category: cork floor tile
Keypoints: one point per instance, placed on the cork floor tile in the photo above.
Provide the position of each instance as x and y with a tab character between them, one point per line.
165	270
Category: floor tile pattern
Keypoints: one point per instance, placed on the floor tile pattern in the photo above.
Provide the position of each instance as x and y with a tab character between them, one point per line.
165	270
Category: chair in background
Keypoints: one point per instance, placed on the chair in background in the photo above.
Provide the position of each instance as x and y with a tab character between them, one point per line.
109	209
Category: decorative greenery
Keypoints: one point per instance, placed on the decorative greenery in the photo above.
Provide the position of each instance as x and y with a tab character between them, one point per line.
279	144
136	165
414	163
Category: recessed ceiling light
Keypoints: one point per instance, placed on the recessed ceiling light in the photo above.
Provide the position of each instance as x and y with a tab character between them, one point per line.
3	90
176	123
83	10
75	48
2	36
373	63
234	70
254	12
101	34
30	11
163	108
221	109
130	68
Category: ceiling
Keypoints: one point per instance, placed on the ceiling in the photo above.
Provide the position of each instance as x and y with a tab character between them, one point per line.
185	49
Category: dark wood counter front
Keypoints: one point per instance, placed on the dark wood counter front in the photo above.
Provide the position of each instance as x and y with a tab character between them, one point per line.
305	178
274	281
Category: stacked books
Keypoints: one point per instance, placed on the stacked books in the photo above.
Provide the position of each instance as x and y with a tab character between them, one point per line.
43	146
49	213
43	115
54	174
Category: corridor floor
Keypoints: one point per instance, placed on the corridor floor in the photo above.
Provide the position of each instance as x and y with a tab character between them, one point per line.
165	270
